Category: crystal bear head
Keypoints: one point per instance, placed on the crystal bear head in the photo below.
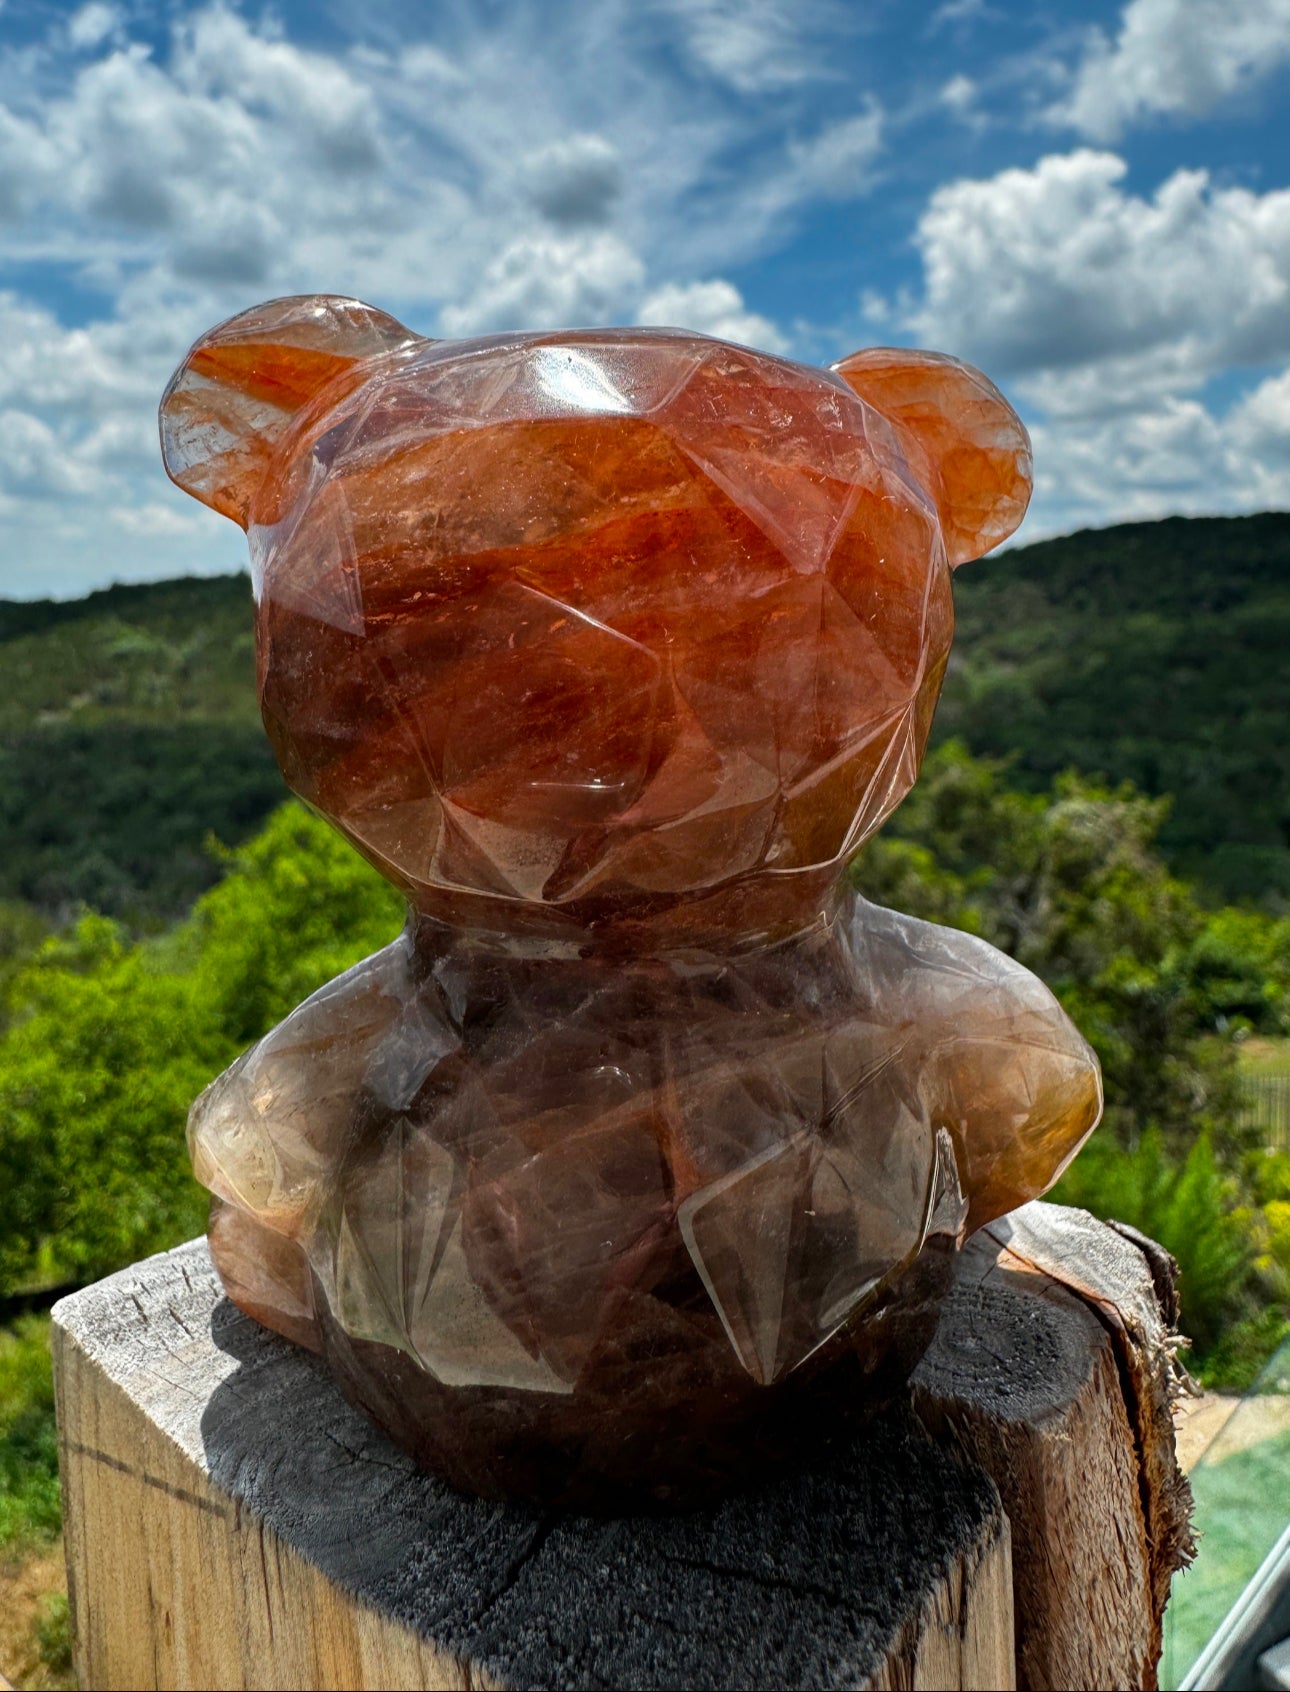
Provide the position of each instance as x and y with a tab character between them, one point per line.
594	628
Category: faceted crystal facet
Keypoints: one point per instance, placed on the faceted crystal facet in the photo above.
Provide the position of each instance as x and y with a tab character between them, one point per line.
608	648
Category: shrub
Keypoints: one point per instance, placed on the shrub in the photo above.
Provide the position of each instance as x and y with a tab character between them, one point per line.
109	1043
30	1505
1192	1209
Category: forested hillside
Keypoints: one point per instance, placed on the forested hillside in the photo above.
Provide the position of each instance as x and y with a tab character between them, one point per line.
128	735
1154	653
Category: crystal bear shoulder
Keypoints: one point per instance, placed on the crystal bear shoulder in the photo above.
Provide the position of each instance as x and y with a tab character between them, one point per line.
641	1157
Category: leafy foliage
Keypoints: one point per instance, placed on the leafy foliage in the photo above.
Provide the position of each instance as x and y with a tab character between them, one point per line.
109	1042
117	816
30	1507
1191	1207
1069	884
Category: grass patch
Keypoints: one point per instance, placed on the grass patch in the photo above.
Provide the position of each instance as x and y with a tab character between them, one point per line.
1242	1505
35	1642
1259	1054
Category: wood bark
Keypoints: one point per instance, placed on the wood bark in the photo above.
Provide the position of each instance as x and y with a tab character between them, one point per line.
231	1522
1053	1370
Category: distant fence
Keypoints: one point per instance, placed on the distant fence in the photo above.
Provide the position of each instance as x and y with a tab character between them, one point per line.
1267	1105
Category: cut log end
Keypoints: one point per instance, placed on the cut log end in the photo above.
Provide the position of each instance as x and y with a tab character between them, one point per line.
1053	1369
231	1522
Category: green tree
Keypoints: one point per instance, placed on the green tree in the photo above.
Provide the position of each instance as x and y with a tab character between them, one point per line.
97	1069
1239	963
1070	885
109	1043
297	907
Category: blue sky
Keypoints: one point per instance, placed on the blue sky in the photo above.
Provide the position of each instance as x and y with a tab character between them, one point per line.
1091	201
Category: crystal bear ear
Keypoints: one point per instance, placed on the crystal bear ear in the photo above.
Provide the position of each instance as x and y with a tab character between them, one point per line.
964	442
241	385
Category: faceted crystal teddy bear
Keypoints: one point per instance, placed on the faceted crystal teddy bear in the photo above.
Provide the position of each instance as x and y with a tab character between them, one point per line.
646	1148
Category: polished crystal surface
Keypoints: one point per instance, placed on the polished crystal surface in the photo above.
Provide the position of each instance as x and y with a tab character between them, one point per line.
608	648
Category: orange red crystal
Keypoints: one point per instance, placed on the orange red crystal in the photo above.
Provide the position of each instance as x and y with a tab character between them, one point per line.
608	648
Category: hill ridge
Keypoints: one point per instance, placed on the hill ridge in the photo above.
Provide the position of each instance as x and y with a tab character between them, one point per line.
1151	651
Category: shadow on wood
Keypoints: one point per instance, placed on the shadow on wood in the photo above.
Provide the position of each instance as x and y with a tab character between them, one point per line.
232	1523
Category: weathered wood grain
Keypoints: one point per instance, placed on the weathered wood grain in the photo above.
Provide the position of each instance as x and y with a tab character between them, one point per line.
1053	1371
231	1522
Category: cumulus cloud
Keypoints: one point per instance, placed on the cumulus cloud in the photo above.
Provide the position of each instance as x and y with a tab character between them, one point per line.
79	374
574	180
1108	314
713	308
549	282
583	165
89	25
1172	455
1173	57
35	461
1060	271
1262	421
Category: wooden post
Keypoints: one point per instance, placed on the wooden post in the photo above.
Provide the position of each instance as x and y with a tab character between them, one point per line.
1053	1370
230	1522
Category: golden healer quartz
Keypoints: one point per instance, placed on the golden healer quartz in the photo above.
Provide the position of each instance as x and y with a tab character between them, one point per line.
648	1144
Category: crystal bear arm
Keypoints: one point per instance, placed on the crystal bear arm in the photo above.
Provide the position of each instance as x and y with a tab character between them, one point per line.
1002	1067
964	442
241	386
266	1136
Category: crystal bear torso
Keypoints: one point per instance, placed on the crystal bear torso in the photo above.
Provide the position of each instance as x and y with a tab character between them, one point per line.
648	1137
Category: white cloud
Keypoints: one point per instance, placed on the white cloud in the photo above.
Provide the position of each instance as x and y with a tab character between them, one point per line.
1058	274
1179	57
70	373
35	461
875	308
755	46
1108	313
332	110
155	519
549	282
1262	418
837	162
551	164
1259	427
957	12
959	95
1145	464
27	160
420	62
1171	455
574	180
713	308
576	164
90	25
